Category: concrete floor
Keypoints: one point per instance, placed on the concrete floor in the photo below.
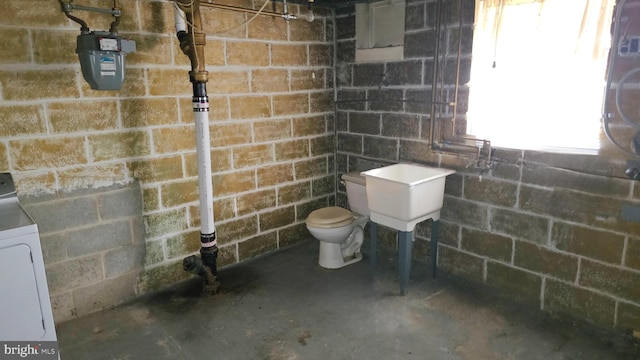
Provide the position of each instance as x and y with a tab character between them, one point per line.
284	306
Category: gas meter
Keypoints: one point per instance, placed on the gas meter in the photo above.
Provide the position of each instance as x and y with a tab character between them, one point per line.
101	53
102	57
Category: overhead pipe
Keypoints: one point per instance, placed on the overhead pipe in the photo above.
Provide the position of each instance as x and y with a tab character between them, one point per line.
240	9
309	15
68	7
192	41
285	12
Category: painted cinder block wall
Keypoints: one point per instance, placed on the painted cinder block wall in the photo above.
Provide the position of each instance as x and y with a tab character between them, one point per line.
72	149
545	229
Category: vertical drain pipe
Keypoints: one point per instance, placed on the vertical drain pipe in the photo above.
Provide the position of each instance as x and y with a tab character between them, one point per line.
192	41
434	82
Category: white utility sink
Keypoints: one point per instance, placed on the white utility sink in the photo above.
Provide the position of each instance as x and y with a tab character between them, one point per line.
402	195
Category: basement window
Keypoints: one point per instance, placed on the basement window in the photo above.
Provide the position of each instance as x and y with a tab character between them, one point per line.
538	73
380	31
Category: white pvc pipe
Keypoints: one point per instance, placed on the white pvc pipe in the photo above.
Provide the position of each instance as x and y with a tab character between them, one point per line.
179	16
203	150
205	185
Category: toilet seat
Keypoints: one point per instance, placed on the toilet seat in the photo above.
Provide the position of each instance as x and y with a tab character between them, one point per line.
330	217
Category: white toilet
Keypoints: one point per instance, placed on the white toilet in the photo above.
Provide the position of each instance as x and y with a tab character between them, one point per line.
340	231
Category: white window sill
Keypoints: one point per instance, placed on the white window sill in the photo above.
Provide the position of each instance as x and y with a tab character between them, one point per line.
549	149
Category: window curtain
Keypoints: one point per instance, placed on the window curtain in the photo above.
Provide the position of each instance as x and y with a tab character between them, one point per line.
538	70
591	30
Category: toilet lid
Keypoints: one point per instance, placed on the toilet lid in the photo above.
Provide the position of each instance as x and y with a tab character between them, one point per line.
330	217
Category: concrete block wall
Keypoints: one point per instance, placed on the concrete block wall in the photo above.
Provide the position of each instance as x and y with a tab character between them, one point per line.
93	247
548	236
271	122
546	229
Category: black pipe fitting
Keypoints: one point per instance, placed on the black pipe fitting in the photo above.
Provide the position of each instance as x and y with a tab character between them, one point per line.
209	256
206	265
205	268
199	89
181	35
193	265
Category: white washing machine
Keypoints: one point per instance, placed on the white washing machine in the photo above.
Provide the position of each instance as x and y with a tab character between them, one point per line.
25	307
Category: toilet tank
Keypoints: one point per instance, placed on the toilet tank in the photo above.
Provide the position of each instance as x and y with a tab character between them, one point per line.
356	192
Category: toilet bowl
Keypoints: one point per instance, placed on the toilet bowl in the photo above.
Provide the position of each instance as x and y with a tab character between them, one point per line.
341	231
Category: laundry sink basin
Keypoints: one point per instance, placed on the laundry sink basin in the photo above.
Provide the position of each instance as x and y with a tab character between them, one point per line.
402	195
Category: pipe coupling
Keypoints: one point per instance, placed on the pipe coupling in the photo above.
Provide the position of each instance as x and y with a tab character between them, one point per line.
200	76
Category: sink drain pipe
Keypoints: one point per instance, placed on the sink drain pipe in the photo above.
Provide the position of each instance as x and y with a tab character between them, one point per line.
192	41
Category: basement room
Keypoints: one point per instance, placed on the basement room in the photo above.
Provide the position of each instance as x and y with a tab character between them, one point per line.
320	179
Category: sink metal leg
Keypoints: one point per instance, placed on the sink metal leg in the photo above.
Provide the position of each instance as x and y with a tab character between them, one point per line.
435	229
373	244
405	245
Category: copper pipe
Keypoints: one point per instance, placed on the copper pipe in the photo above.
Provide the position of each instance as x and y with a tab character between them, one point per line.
193	44
235	8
